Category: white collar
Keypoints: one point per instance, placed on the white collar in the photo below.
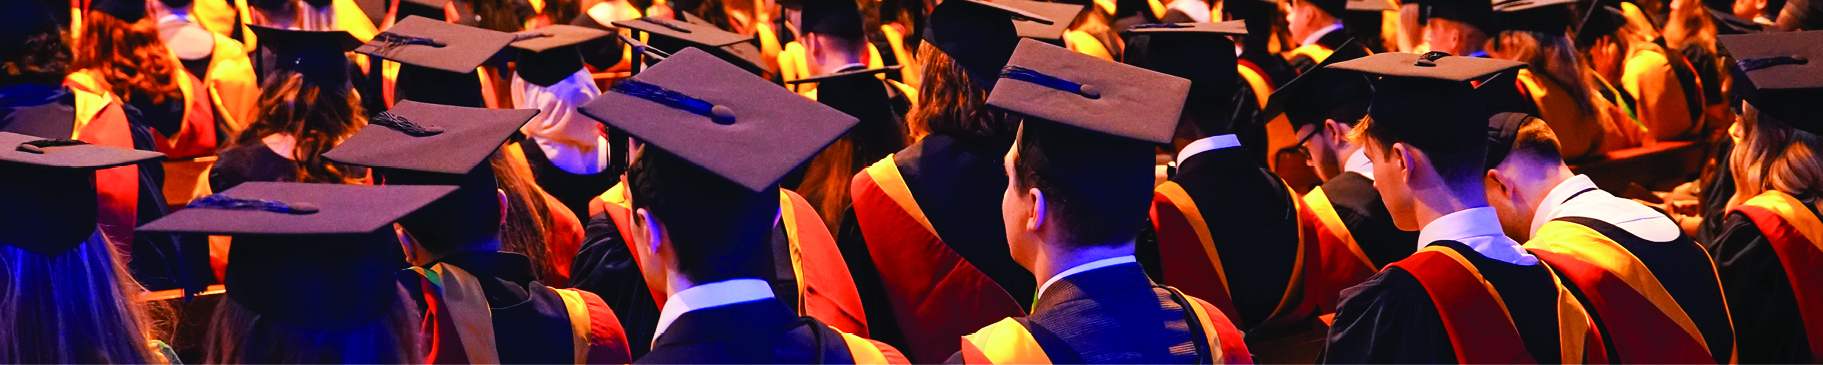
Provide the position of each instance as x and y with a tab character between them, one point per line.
1358	163
1312	39
1557	197
710	295
1478	228
1097	264
1207	144
1579	197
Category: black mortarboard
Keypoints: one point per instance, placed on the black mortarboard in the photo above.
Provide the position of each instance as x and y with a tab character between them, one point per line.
1323	94
128	10
1478	13
1600	21
858	93
1551	17
1774	72
439	59
1334	7
48	199
1056	84
319	55
1503	130
1060	16
1370	5
318	256
600	53
20	20
978	35
1430	99
671	35
1199	52
550	54
431	138
711	113
432	9
837	18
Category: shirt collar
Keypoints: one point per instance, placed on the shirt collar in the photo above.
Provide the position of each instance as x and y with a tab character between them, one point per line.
711	295
1358	163
1207	144
1478	228
1312	39
1559	195
1097	264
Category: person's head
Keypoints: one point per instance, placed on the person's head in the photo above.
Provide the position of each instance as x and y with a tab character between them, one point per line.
1777	137
316	116
1690	25
1773	155
274	13
700	226
127	55
1306	17
1073	188
1454	36
1203	54
1323	106
32	48
1749	9
1552	56
1518	181
528	215
1801	15
1602	37
950	103
833	34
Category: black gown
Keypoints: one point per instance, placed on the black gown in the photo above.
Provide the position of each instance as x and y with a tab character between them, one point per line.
1364	214
1332	40
254	162
1391	319
1767	325
757	332
1112	315
531	323
1258	221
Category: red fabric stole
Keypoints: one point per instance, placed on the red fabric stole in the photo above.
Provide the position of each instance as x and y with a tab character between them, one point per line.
1646	325
825	287
101	121
1797	237
1343	263
1480	329
936	295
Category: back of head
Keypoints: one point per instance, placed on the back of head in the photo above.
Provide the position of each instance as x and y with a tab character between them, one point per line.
128	56
952	104
32	49
1519	138
237	334
1403	120
1552	56
72	307
468	217
1098	186
837	19
315	116
718	229
1775	155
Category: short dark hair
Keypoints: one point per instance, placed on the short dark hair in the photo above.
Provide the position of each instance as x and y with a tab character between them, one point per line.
468	216
1459	164
719	229
42	58
1099	187
1535	142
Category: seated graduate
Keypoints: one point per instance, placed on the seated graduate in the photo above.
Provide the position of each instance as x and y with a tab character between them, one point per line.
68	297
1561	87
1766	252
437	61
1470	294
1640	75
567	152
1344	218
704	196
1221	204
1080	177
312	277
482	304
1316	26
220	62
308	108
1669	308
836	40
1457	27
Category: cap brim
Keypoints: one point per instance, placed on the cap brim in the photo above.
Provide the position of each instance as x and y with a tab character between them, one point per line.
838	75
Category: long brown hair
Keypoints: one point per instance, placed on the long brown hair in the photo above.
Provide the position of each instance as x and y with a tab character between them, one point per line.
528	217
42	58
1690	25
949	103
238	335
1772	155
1552	56
79	306
318	116
129	57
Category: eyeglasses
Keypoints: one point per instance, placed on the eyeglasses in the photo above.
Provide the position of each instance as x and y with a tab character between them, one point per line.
1300	149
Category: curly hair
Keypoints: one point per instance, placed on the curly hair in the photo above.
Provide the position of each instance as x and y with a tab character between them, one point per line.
42	59
128	56
949	103
319	117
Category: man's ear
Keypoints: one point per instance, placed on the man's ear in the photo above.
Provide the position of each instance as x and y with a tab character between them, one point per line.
503	205
648	224
1498	183
1400	155
1038	210
1337	132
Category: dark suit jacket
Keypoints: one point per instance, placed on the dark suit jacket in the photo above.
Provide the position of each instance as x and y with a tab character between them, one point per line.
759	332
1114	315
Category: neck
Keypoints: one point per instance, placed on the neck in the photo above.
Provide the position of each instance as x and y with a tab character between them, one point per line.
832	63
675	282
1437	199
421	255
1055	260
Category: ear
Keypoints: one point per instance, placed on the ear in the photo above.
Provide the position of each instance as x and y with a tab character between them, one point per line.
649	225
1337	132
1402	158
1038	210
1497	182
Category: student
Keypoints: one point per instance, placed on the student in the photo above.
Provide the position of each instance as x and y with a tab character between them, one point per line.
438	61
1080	172
220	62
1218	188
312	274
470	286
1766	253
928	210
309	107
1643	71
68	297
704	197
1426	135
1458	28
567	153
836	41
1559	83
1669	307
1345	220
1316	26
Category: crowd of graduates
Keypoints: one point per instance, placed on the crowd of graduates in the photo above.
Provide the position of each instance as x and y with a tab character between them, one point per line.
911	181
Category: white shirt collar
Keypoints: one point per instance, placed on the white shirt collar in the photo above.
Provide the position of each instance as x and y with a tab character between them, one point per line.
1207	144
1312	39
1097	264
1358	163
1557	197
710	295
1478	228
1579	197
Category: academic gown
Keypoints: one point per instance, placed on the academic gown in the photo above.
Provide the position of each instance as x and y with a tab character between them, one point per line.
1356	234
531	323
1252	223
757	332
1772	323
1308	56
1113	315
955	232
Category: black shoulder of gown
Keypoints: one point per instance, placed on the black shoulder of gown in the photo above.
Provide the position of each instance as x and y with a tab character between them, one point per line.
1767	325
1388	319
605	267
1364	214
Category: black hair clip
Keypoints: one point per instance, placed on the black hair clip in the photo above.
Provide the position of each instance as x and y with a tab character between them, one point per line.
720	114
1429	59
406	126
1035	77
1751	64
37	147
219	201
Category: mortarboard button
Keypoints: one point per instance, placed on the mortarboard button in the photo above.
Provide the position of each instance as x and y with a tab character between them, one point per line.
432	138
551	54
1780	75
1432	98
1056	84
48	200
1058	15
979	35
727	121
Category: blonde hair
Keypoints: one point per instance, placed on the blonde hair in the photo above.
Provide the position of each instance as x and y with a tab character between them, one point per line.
129	57
1774	156
79	306
528	218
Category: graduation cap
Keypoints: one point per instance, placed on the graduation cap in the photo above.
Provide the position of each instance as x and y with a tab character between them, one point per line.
1431	99
1551	17
127	10
1200	52
318	55
20	20
858	93
552	53
839	18
715	115
1053	83
979	35
1503	130
1060	16
1323	93
317	256
1600	21
600	53
673	35
439	59
1775	73
48	200
1477	13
